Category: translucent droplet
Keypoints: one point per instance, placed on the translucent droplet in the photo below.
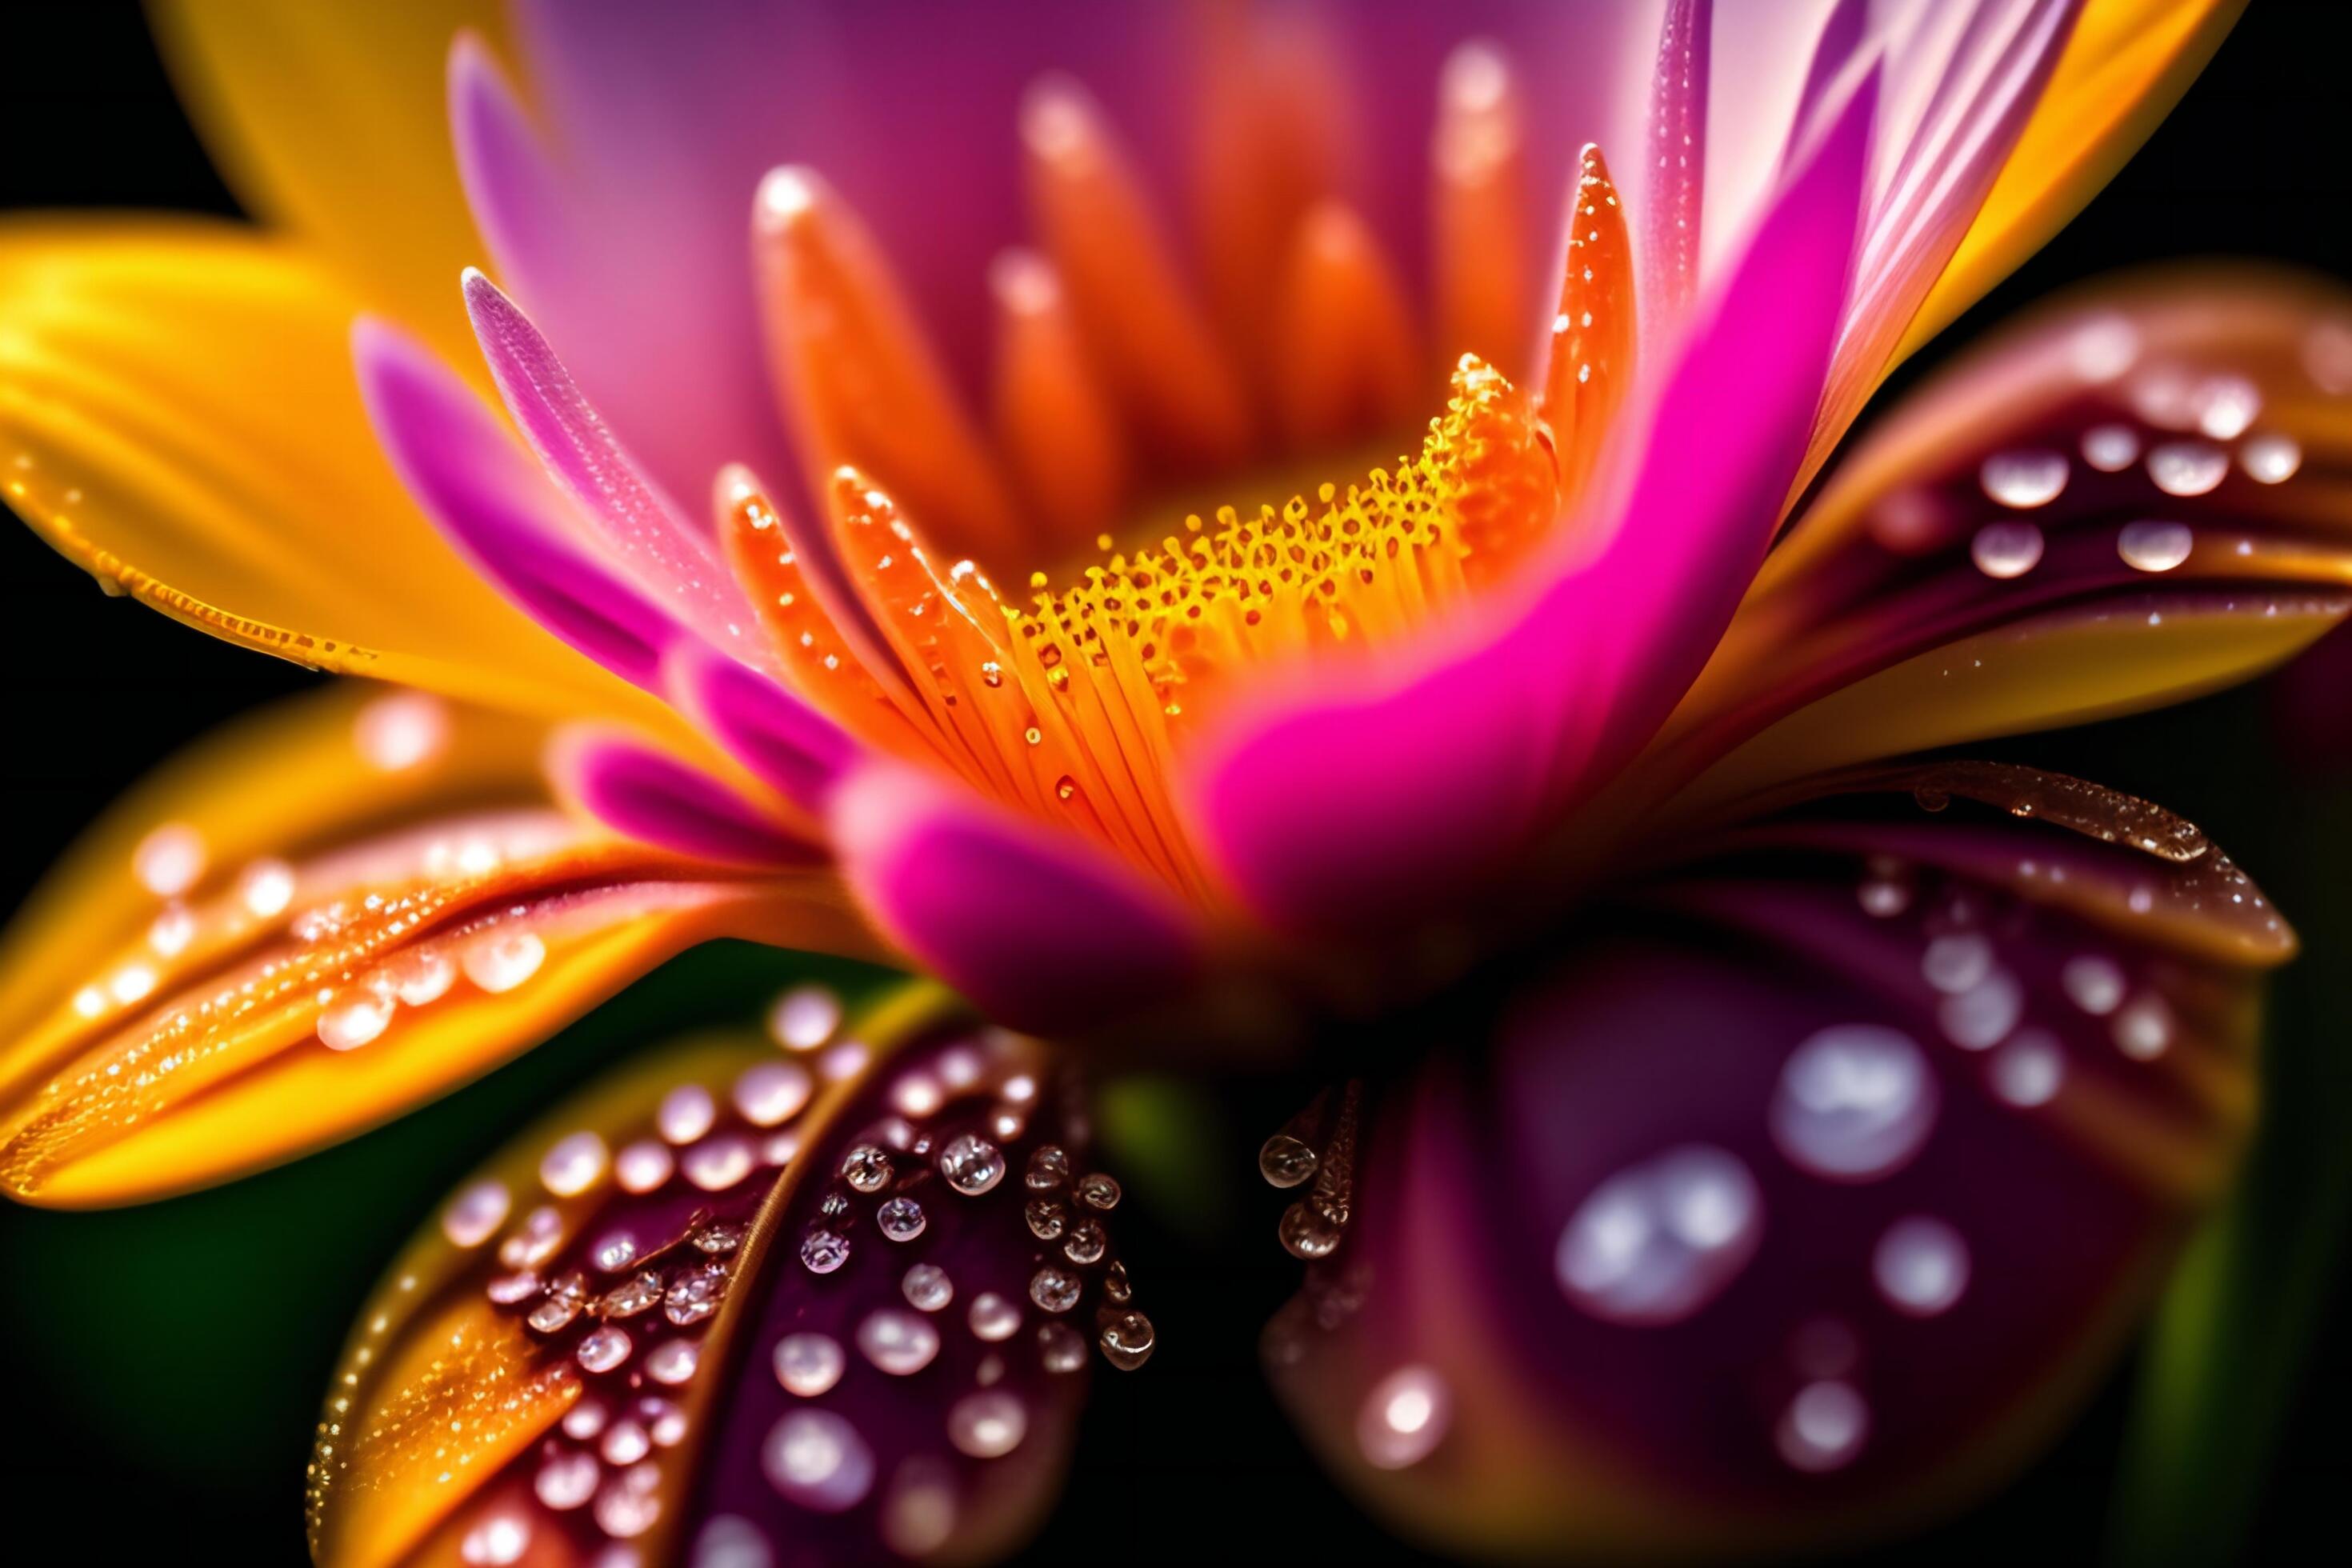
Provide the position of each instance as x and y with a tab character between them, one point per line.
2005	550
2143	1028
1065	787
2111	448
1921	1265
501	963
1055	1290
474	1214
867	1168
1060	1347
694	1294
630	1502
1660	1239
2103	348
1855	1102
1049	1167
900	1343
2028	1070
771	1091
615	1252
987	1424
2225	406
1956	961
1127	1341
900	1218
1405	1417
719	1238
402	731
1285	1161
1307	1231
927	1287
992	1318
535	1241
2154	546
604	1349
972	1165
497	1540
823	1251
2270	460
572	1164
717	1164
687	1114
1823	1427
2024	478
808	1364
567	1481
1098	1191
2093	983
815	1459
634	1295
2187	467
1981	1016
804	1017
349	1024
1086	1242
168	861
643	1166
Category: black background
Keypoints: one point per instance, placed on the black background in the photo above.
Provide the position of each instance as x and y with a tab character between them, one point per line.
1188	1460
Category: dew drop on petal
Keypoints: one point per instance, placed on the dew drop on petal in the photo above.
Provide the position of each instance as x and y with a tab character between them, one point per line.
2004	549
2028	1070
771	1091
567	1481
2225	406
804	1017
2111	448
900	1218
900	1343
992	1318
474	1214
1855	1102
927	1287
1823	1426
402	731
604	1349
642	1166
808	1364
496	1541
168	861
2186	467
1060	1347
266	886
987	1424
2103	348
2270	459
2154	546
672	1362
422	976
347	1025
1660	1239
972	1165
2143	1028
1285	1161
572	1164
2093	983
717	1164
1055	1290
1405	1417
1957	960
500	961
1127	1341
823	1251
686	1114
1921	1265
2024	478
815	1459
1982	1015
1308	1230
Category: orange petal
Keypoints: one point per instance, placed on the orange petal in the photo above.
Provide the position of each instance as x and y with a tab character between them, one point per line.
331	120
1059	433
1347	364
1592	337
1478	211
1153	336
179	416
862	381
376	874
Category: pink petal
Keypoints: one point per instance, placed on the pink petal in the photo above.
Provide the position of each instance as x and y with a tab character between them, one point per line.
1038	930
767	729
655	799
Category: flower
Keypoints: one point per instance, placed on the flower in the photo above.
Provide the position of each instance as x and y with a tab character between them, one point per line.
1609	694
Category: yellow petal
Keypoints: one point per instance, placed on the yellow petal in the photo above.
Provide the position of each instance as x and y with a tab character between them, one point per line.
179	416
2125	65
331	121
340	871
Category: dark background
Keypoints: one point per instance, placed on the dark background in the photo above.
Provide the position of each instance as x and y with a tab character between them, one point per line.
163	1364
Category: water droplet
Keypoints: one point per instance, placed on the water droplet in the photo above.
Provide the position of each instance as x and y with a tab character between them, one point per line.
1060	1347
1307	1231
900	1343
686	1113
572	1164
2270	459
1285	1161
2024	478
900	1220
1405	1417
717	1164
2143	1028
615	1252
2187	467
642	1166
867	1168
2154	546
2005	550
719	1239
1127	1341
1981	1016
2111	448
694	1294
402	731
1099	1191
672	1362
567	1481
1921	1265
348	1026
267	888
2091	982
725	1541
171	931
1956	961
476	1213
1658	1240
630	1502
604	1349
992	673
2225	406
500	962
535	1241
422	976
987	1424
816	1458
804	1017
498	1539
2027	1072
972	1165
1823	1426
1055	1290
1049	1167
771	1091
1065	787
1855	1102
993	1318
927	1287
2103	348
168	861
823	1251
1086	1242
808	1364
634	1295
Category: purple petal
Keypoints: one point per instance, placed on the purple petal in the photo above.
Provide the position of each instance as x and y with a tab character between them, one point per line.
1350	805
498	509
1677	166
1040	931
767	729
655	799
1803	1199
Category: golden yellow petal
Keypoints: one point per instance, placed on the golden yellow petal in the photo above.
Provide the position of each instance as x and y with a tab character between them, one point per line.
331	119
179	416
